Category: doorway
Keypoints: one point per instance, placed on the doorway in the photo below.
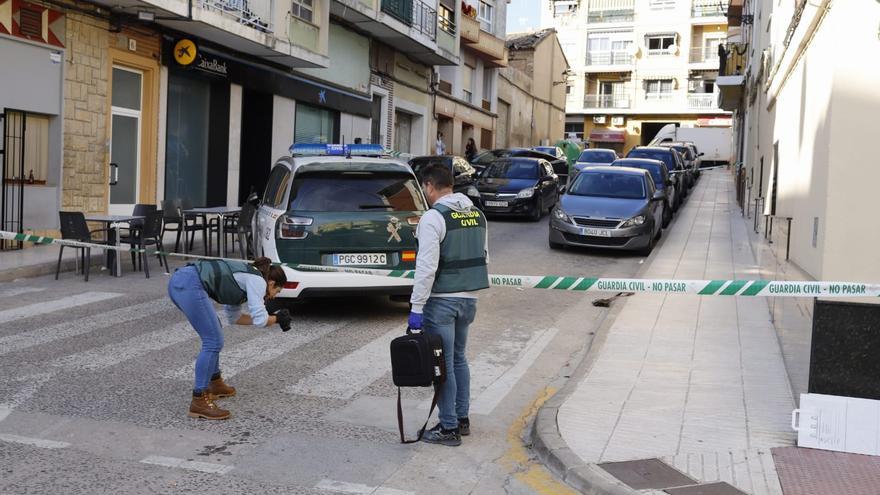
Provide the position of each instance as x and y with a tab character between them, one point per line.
650	130
125	139
13	151
402	132
256	142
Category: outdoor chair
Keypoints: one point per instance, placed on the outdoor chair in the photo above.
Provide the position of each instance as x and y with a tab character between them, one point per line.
148	235
75	228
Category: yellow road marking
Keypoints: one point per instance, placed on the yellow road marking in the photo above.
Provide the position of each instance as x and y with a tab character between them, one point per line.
517	460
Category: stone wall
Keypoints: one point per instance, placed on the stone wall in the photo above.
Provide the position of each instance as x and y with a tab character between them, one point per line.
86	106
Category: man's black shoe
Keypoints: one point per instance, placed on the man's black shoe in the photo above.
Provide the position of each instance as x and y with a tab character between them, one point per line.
464	426
438	434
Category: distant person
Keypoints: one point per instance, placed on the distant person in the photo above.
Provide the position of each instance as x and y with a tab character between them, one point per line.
451	265
357	140
439	145
470	151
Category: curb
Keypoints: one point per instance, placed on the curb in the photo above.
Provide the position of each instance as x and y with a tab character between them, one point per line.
68	264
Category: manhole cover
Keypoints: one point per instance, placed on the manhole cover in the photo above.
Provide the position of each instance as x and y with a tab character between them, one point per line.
646	473
721	488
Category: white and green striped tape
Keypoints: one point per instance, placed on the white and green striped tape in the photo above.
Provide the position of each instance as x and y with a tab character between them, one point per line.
749	288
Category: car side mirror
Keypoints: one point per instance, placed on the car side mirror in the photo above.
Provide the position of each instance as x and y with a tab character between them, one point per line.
668	182
658	196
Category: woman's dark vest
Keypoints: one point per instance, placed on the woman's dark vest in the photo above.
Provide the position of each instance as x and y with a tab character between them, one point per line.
218	281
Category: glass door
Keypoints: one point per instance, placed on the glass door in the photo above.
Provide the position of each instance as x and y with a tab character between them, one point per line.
125	140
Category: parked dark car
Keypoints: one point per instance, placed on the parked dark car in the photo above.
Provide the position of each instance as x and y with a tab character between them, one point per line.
593	157
662	181
609	207
465	174
673	162
518	186
690	156
560	165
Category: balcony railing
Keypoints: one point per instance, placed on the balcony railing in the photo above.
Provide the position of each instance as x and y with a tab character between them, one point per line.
413	13
607	101
447	25
611	11
252	13
659	96
704	55
702	101
610	57
709	8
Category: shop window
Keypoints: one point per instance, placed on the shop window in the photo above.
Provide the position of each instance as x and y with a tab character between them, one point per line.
302	9
186	148
27	143
315	125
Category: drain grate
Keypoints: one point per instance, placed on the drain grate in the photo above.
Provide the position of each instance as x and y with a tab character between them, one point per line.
721	488
647	473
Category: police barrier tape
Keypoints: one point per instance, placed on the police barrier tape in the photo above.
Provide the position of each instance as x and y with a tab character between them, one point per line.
755	288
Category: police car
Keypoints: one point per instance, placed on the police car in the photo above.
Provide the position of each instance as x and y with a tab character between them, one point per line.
340	206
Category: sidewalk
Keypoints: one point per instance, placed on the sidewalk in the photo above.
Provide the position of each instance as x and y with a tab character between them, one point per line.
698	382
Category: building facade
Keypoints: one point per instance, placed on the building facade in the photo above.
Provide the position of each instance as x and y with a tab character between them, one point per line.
531	94
805	113
638	65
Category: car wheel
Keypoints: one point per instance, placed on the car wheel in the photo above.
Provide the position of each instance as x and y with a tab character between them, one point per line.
555	202
538	210
659	234
667	216
645	251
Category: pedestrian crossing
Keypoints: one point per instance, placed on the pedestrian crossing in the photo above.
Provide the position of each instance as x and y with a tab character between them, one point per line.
40	308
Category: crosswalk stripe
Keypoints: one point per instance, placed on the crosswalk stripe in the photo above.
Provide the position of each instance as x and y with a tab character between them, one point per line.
174	462
35	442
357	488
495	393
348	375
44	307
20	290
43	335
113	354
265	348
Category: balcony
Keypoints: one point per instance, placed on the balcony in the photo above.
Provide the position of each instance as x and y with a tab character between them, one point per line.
611	11
610	58
607	101
410	26
705	56
488	47
730	80
702	101
702	9
251	27
734	13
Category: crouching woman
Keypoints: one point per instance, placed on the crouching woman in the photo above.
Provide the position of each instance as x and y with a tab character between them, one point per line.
193	289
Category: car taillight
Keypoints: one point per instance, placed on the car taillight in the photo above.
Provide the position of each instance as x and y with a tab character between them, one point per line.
291	285
413	220
293	227
408	256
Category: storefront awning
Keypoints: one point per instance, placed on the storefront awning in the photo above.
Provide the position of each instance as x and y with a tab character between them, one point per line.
608	136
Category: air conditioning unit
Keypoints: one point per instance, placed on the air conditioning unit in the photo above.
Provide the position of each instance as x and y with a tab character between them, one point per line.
618	121
599	119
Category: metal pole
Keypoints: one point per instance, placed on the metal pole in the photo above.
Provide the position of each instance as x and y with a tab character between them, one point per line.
788	240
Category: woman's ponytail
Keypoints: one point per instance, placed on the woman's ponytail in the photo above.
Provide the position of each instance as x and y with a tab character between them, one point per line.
270	272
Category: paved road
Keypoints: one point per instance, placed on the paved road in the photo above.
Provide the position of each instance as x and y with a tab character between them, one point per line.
95	380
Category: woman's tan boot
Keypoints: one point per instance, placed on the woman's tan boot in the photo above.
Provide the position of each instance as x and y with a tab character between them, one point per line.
219	389
203	406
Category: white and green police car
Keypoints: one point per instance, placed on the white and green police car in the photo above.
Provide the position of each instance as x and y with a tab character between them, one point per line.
340	206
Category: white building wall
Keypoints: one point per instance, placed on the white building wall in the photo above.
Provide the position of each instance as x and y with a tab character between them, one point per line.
283	112
234	168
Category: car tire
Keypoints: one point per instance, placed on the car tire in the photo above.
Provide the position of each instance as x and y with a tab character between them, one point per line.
555	202
659	234
538	211
667	216
645	251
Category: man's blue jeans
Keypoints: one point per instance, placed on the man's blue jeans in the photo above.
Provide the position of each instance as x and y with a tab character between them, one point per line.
186	291
450	317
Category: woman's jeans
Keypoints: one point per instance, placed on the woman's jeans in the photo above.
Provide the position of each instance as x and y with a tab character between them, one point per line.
186	291
450	317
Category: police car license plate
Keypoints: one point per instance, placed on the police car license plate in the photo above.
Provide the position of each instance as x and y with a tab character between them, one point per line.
596	232
356	259
497	204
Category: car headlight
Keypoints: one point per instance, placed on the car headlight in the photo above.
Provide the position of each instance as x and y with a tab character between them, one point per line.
634	221
472	192
561	215
526	193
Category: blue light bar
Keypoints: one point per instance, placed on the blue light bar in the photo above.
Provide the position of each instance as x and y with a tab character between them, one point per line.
315	149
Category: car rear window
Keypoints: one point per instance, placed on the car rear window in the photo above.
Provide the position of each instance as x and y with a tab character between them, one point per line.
419	164
488	157
356	191
515	169
609	185
684	150
656	174
597	156
663	156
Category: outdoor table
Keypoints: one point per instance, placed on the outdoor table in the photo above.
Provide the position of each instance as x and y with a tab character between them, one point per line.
113	224
221	212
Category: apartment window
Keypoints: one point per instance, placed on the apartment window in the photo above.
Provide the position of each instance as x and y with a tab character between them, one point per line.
564	7
609	48
710	47
486	15
568	89
487	83
467	83
446	19
658	89
658	44
662	4
302	9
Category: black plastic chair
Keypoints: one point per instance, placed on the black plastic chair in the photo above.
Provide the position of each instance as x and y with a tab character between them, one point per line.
173	215
148	235
244	229
75	228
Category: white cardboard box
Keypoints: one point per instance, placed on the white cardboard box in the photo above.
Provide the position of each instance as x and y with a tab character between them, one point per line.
842	424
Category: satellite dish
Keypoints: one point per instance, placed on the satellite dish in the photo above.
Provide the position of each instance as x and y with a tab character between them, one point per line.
632	49
672	49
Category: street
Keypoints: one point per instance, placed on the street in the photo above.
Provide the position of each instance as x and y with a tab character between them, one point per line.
95	380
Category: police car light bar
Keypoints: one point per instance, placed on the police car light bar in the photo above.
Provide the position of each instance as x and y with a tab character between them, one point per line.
314	149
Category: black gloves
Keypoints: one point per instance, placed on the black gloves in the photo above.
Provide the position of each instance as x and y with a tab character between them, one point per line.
283	318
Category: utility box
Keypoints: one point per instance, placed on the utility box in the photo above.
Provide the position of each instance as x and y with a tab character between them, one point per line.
842	424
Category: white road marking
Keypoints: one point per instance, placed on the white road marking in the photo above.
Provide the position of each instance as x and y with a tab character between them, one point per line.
42	308
32	384
81	326
113	354
357	488
495	393
20	290
348	375
174	462
5	411
265	348
35	442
